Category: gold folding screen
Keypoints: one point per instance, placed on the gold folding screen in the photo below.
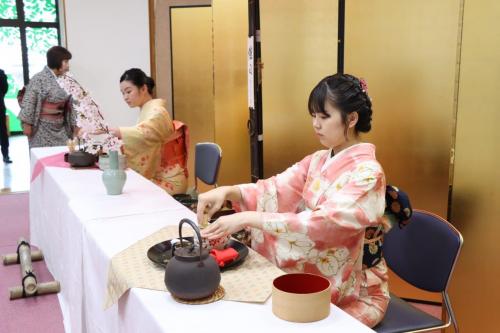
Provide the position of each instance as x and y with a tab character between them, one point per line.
230	19
407	52
476	180
299	47
193	98
210	83
160	35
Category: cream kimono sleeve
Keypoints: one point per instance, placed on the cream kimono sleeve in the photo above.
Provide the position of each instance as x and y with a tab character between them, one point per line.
152	131
143	142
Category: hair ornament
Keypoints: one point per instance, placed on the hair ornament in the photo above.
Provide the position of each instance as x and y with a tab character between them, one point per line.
364	85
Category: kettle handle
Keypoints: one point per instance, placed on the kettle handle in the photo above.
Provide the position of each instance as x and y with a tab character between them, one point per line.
196	229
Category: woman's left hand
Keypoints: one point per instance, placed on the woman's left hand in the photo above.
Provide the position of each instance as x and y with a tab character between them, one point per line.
229	224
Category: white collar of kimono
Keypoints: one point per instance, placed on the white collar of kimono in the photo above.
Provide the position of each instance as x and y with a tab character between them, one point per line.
333	158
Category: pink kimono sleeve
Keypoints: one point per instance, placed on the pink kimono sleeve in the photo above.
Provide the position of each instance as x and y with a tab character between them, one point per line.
343	213
280	193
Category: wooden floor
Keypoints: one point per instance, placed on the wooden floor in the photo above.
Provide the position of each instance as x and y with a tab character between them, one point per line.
15	177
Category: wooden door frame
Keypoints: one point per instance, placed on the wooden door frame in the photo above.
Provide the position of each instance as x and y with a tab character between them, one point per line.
160	43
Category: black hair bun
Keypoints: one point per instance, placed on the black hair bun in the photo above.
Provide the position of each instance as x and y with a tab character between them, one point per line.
150	83
138	78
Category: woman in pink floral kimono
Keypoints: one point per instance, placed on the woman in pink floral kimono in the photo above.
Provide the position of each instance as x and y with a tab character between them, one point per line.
312	217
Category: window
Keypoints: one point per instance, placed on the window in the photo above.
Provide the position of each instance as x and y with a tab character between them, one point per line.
28	28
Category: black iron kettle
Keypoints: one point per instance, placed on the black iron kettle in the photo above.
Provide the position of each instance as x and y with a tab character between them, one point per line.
192	273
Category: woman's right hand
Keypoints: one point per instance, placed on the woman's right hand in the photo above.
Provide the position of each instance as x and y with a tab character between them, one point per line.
213	200
27	130
116	132
97	132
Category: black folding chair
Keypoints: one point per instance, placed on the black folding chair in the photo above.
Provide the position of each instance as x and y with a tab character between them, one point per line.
423	254
207	160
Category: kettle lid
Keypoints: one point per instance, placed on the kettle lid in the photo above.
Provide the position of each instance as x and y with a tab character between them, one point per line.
190	252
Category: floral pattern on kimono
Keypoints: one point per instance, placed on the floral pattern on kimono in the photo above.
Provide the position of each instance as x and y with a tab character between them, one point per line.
142	144
315	216
46	132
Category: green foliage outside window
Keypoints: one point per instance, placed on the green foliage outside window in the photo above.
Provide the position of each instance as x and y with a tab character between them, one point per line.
39	40
13	87
14	123
9	36
8	9
40	10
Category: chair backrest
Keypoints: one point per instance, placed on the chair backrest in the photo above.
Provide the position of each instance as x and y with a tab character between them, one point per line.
424	252
207	160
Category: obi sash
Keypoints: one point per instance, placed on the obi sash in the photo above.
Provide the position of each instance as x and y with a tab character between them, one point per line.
175	150
397	211
373	246
53	110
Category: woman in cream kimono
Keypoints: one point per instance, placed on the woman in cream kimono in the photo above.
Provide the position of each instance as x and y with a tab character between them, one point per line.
312	217
154	147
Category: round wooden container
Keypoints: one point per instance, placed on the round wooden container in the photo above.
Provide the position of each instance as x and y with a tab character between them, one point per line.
301	297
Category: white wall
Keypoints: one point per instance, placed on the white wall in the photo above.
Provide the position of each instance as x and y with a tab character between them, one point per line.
107	37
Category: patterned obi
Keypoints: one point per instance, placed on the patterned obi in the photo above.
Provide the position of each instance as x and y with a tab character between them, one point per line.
397	212
175	150
54	111
373	244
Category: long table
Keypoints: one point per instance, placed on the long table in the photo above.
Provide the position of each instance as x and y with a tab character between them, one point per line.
80	228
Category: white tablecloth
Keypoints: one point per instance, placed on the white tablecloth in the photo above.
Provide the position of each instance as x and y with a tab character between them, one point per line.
80	228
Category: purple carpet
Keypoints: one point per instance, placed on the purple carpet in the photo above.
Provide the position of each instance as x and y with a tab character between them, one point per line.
35	314
14	218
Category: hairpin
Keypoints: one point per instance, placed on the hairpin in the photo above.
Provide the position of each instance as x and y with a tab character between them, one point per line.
364	85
